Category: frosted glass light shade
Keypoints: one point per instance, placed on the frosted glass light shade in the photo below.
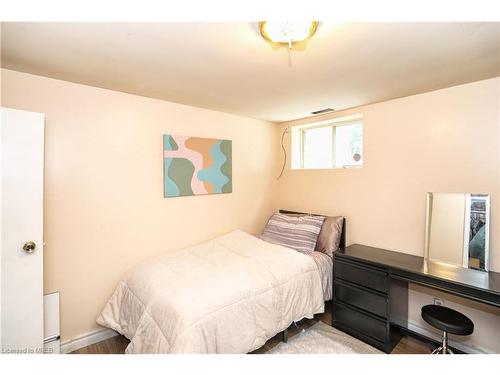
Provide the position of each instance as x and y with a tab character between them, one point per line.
287	32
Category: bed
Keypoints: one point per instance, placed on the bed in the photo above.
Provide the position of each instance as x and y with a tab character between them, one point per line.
227	295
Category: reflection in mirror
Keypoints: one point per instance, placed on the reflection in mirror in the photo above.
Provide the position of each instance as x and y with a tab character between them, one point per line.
457	229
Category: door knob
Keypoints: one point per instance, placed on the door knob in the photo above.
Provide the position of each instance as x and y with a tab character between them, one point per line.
29	247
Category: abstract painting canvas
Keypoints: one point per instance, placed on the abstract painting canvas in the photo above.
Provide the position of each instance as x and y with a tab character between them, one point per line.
196	166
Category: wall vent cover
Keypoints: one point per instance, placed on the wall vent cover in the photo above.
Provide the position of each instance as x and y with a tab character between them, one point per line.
322	111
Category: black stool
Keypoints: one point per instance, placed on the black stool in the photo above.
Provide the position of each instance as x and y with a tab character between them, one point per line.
448	321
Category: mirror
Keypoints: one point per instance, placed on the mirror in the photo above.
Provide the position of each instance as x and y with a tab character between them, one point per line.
457	229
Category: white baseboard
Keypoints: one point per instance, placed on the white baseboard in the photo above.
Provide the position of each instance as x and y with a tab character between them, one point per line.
87	339
415	327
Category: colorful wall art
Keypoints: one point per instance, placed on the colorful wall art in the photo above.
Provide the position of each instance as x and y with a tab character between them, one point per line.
196	166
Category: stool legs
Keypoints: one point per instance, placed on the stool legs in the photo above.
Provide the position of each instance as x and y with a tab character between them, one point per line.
443	349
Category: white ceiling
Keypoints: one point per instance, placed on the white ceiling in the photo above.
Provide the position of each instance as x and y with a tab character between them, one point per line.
229	67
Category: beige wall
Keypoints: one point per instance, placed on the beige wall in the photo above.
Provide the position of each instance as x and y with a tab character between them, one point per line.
104	205
441	141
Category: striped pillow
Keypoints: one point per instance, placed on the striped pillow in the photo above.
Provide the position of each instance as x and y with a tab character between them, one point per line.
296	232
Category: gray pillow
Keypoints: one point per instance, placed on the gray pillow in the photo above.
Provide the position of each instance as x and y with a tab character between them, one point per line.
296	232
329	236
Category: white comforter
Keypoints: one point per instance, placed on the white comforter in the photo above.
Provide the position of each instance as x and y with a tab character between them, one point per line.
228	295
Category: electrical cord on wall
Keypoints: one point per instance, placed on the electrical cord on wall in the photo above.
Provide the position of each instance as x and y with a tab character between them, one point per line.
284	151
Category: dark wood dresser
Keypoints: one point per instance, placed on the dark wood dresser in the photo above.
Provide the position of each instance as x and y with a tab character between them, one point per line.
362	295
370	290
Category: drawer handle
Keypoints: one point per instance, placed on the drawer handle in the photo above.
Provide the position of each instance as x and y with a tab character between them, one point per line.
362	267
350	285
362	312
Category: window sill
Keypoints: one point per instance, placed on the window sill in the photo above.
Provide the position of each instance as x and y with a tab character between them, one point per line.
327	169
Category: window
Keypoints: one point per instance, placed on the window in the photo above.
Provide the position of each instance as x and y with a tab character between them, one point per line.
336	144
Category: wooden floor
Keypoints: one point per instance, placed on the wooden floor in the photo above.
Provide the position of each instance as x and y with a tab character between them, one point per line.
407	345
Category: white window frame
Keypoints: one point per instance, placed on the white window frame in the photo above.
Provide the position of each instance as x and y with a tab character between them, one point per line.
301	131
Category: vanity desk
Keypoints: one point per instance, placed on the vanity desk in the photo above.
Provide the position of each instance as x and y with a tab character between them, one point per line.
370	289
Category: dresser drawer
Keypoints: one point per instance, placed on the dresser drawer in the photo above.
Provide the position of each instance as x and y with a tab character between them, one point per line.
356	273
361	323
363	299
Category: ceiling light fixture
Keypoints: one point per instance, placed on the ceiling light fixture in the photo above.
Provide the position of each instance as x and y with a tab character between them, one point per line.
287	32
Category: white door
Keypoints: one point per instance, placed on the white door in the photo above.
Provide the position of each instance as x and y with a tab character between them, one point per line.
21	297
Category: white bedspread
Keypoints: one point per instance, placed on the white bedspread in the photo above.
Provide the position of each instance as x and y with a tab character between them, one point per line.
228	295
